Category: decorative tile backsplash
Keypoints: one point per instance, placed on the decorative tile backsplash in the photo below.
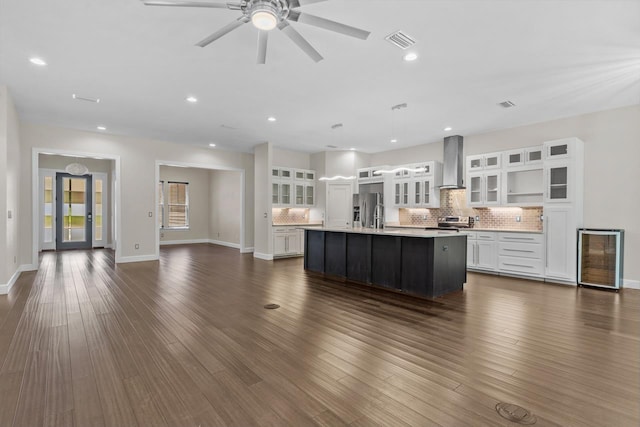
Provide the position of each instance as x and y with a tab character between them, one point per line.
454	202
285	216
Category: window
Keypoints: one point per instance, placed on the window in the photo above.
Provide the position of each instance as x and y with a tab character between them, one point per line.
174	204
161	204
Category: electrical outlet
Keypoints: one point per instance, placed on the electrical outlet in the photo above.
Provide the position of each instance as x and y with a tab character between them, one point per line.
9	214
477	218
424	217
137	246
150	214
518	218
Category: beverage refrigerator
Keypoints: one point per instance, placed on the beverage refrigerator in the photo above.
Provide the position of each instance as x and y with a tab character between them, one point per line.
600	257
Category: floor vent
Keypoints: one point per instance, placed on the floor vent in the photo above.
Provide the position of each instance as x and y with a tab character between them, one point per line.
516	414
401	40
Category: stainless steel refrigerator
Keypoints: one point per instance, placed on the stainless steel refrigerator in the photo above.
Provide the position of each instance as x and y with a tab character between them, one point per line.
371	210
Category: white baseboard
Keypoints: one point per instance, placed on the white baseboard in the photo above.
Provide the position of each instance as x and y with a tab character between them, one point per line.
246	250
227	244
631	284
4	289
266	257
140	258
183	242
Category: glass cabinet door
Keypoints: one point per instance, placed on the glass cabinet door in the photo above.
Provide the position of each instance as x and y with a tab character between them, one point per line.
558	183
309	194
405	193
275	194
299	195
396	193
417	193
492	183
475	190
285	196
426	192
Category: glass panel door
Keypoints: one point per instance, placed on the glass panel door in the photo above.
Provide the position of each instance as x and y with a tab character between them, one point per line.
48	210
275	194
426	192
309	193
417	193
100	202
475	192
558	183
492	188
73	211
299	194
285	197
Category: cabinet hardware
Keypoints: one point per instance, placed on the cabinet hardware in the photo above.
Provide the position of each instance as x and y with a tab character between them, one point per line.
517	250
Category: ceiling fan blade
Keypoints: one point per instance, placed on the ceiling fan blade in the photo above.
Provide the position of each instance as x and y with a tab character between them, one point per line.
297	3
184	3
222	31
297	38
328	24
263	36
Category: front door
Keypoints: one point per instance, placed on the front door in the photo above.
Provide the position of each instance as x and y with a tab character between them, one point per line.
73	211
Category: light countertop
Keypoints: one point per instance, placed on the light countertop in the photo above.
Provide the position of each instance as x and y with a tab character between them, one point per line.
391	232
501	230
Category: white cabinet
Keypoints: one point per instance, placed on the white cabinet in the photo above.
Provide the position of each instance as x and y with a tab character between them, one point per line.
484	161
521	254
287	241
292	187
417	185
560	227
523	157
368	175
482	251
484	189
523	186
558	182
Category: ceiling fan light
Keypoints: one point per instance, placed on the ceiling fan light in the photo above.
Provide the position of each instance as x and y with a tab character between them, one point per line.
264	19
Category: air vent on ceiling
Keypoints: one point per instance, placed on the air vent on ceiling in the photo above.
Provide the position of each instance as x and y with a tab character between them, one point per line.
400	39
332	146
506	104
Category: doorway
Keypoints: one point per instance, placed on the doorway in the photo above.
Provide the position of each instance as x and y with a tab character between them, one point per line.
74	217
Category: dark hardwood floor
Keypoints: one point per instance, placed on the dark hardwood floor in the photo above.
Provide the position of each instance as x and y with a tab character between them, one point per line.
187	342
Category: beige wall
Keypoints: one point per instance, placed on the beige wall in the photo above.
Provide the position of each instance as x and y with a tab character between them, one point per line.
199	203
9	189
611	146
138	159
224	202
290	159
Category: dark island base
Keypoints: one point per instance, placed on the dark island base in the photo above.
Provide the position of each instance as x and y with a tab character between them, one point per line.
422	266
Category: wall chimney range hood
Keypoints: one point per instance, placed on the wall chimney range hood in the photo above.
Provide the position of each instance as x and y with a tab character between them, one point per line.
453	162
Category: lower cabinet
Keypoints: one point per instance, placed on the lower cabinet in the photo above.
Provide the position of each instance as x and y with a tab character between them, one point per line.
481	250
288	242
511	253
521	254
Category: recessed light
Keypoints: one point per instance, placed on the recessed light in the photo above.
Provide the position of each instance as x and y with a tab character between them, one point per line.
410	57
38	61
192	99
101	128
447	129
393	141
212	145
271	119
84	98
352	149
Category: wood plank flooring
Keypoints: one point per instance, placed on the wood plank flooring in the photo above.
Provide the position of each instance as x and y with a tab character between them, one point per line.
187	342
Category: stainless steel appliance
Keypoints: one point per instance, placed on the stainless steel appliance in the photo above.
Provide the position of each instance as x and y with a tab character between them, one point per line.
452	223
600	257
356	209
371	210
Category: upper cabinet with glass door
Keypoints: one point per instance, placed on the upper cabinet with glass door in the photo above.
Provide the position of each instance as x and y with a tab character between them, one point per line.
523	157
563	172
481	162
292	187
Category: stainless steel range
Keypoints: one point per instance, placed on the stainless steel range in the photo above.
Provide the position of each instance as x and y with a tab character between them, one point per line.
453	223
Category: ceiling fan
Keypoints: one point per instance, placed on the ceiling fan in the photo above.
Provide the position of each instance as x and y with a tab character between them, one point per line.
267	15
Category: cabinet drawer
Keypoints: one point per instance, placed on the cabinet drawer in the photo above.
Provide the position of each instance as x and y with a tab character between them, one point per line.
523	250
526	266
521	237
486	235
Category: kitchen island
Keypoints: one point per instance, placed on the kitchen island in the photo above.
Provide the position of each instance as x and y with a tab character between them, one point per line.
417	262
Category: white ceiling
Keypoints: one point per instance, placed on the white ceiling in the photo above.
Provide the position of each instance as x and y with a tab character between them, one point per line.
551	58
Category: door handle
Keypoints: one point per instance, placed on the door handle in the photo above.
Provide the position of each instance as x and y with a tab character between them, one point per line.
89	217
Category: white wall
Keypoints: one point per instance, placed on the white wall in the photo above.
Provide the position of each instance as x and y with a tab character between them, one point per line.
224	212
138	159
199	203
9	191
262	188
290	159
612	149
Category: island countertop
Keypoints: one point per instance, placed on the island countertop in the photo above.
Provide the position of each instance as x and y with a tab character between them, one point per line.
390	232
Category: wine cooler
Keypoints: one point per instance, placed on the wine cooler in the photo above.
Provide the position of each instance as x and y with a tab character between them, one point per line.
600	257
